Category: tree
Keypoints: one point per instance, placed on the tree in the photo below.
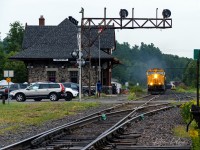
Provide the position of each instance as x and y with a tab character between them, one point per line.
2	60
19	68
14	39
11	45
189	76
138	59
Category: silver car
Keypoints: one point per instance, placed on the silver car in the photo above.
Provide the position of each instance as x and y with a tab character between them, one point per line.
39	91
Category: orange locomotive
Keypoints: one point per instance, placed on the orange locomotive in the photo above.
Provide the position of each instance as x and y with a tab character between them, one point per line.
156	80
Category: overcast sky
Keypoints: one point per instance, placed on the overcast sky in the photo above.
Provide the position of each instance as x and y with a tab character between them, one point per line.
181	39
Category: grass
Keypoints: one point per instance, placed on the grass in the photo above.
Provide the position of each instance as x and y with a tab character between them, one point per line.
180	131
185	89
135	91
16	116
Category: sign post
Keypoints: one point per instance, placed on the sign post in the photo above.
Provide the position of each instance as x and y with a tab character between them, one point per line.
8	74
195	109
196	56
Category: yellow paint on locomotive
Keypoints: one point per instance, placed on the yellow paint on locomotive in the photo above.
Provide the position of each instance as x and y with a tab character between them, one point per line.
155	77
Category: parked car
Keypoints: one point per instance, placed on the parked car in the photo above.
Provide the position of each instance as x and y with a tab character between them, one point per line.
75	86
2	91
71	90
39	91
15	86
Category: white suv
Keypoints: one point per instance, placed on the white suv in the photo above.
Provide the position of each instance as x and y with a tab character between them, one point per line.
70	93
39	91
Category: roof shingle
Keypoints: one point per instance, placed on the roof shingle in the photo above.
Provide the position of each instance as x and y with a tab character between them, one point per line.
57	42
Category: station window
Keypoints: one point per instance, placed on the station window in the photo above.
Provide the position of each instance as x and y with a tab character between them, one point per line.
51	76
74	76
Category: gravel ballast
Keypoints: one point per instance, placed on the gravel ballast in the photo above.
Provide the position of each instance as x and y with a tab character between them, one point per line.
156	130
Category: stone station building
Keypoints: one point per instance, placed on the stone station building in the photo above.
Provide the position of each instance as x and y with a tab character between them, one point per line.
46	51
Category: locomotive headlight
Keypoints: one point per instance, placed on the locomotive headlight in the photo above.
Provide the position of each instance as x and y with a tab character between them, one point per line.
155	76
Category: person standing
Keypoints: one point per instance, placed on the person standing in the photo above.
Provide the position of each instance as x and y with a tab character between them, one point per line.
99	88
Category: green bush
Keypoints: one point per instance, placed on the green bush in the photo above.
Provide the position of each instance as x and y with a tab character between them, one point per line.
131	96
185	110
194	132
136	89
184	89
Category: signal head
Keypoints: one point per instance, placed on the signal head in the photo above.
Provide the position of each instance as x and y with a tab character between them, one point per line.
166	13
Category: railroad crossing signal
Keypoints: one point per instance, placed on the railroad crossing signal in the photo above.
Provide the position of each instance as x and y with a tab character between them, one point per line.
87	24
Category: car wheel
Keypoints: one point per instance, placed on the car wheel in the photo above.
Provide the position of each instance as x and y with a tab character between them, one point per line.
53	97
37	99
20	97
69	96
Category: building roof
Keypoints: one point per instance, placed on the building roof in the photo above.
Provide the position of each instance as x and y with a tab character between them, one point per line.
57	42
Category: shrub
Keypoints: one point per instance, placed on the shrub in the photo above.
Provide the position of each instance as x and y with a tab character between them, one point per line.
131	96
185	110
194	132
135	89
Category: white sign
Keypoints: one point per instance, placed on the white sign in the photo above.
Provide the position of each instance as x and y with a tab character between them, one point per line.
60	59
8	73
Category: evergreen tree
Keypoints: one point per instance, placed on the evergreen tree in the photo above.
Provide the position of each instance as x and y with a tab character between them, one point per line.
138	59
11	45
13	41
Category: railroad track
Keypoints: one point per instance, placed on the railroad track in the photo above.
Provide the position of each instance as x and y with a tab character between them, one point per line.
26	143
102	130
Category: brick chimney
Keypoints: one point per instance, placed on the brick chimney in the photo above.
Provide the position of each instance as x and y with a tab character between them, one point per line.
41	21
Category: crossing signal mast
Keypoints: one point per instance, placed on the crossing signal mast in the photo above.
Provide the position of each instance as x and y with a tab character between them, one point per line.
123	22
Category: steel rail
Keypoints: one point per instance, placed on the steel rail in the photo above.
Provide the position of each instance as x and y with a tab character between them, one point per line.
105	136
153	147
25	142
33	140
132	114
71	127
181	97
75	125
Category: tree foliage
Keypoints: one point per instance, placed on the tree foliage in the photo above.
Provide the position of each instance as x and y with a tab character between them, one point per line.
9	47
13	41
190	74
137	60
2	59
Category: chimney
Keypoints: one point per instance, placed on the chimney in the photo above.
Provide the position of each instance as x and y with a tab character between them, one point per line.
41	21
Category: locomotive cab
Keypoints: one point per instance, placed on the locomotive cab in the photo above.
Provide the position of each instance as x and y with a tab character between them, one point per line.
156	81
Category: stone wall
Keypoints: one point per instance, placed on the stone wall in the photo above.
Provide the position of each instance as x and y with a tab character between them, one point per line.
38	73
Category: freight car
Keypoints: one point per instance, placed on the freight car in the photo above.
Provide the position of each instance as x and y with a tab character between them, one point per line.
156	81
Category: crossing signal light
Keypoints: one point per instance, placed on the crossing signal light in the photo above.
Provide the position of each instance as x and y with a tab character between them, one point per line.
123	13
166	13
